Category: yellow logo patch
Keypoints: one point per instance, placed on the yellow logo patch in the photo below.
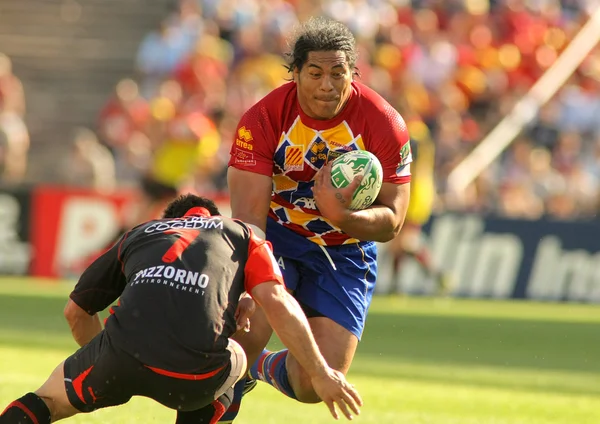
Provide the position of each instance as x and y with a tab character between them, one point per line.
245	134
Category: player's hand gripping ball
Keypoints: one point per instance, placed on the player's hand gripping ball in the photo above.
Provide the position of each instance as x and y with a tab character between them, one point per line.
358	162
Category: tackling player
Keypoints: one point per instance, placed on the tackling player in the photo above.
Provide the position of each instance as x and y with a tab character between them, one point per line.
179	280
280	180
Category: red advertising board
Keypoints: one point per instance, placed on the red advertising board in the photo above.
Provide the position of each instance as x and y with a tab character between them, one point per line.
71	225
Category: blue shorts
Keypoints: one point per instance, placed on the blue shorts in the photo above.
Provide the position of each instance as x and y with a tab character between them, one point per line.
335	281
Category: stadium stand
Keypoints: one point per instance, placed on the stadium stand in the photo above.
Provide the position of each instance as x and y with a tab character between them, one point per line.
455	66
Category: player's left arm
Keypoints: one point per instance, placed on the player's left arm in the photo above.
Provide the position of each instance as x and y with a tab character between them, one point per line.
99	285
383	220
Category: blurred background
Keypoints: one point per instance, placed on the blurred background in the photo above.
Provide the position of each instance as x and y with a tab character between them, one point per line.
120	105
114	106
109	108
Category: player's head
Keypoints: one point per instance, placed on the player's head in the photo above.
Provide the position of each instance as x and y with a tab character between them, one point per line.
179	207
322	59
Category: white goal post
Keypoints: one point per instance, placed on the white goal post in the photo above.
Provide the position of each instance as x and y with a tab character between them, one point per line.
525	110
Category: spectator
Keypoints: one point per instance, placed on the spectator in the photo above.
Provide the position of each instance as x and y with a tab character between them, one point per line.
89	163
14	147
458	66
12	96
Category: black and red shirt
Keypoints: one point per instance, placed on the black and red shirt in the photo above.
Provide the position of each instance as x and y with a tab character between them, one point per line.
179	282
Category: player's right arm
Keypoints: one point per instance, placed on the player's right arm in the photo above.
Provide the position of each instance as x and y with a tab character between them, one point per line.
99	285
250	196
250	172
265	283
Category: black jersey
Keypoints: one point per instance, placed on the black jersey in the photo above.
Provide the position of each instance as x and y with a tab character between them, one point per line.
179	282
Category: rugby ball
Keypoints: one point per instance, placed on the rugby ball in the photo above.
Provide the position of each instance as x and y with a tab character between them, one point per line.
358	162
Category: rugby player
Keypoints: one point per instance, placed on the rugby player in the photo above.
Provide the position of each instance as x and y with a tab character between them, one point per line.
179	280
279	179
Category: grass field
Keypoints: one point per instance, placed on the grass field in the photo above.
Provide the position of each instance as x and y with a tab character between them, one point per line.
421	361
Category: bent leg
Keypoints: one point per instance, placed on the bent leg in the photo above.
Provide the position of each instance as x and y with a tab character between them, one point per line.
252	343
210	413
239	366
47	404
28	409
338	346
54	395
282	371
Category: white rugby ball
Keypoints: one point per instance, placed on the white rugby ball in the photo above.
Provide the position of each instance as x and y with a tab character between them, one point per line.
358	162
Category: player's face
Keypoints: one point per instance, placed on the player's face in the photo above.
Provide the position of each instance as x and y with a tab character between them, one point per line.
323	84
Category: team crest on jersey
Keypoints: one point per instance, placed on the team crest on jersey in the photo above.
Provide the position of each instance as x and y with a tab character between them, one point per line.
294	158
405	154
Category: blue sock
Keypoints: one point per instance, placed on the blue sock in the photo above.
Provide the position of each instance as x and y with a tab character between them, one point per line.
270	367
234	408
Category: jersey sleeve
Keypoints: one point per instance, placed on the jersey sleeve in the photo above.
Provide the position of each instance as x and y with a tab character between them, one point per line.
255	141
390	143
102	282
261	266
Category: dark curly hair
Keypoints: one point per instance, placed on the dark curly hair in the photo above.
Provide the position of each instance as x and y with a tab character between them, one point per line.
179	207
321	34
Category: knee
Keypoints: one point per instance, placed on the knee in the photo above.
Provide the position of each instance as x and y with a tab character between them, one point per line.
301	384
304	391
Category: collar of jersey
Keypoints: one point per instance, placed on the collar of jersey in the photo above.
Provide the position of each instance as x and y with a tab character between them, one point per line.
197	211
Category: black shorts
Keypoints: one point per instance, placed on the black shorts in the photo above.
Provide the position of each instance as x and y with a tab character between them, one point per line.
100	375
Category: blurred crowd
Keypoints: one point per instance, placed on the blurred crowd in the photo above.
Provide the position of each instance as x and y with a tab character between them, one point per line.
14	137
453	68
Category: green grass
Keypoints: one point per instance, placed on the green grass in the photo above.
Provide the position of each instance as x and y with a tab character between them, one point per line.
421	361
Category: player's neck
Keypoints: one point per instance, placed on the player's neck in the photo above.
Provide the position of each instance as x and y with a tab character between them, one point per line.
323	124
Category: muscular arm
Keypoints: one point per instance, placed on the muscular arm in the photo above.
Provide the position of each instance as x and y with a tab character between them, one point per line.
84	327
380	222
383	221
99	285
250	195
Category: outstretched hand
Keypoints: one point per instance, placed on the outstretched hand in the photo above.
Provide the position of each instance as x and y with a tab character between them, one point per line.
333	203
334	390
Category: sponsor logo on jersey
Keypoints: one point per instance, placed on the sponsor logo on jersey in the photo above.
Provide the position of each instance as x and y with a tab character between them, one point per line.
306	203
341	146
244	139
294	158
244	158
318	153
245	135
334	154
244	144
173	277
192	223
